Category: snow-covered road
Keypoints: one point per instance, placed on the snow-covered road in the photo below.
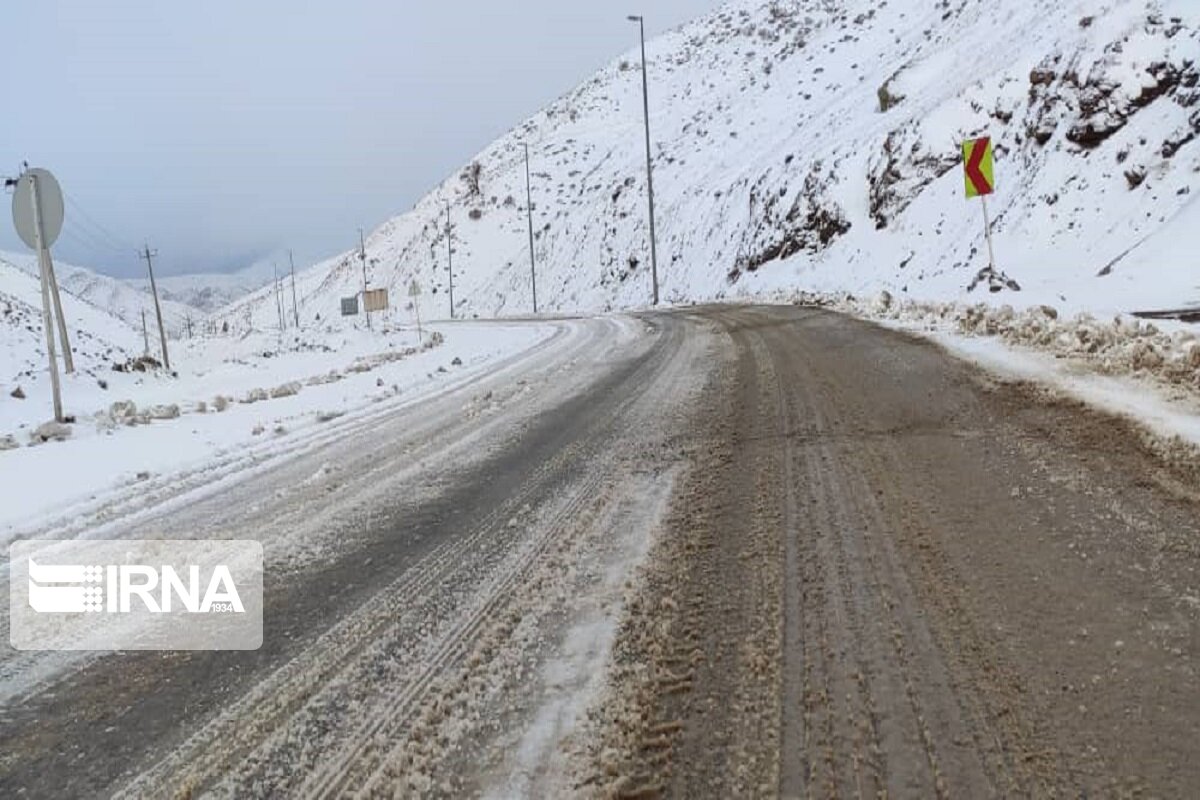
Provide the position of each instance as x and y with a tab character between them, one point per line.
417	551
721	551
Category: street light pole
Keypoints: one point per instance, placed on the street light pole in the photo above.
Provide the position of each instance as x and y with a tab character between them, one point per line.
450	258
649	169
529	211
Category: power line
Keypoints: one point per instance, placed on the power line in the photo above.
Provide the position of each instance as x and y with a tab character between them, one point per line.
88	241
117	242
100	239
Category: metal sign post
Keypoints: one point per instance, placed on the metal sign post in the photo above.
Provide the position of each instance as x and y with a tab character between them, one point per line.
414	291
987	229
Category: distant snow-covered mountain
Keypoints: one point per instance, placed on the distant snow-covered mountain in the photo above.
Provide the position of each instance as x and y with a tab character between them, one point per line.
209	291
816	144
123	299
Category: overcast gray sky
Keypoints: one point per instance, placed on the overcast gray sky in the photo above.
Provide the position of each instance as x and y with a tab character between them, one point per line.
222	130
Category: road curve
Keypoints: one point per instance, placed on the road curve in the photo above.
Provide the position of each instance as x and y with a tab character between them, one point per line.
724	551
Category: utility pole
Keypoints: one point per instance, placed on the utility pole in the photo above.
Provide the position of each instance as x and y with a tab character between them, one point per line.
362	256
529	213
450	257
149	254
295	305
649	169
145	336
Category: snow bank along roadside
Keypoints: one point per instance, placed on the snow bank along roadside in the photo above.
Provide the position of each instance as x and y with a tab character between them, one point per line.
254	407
1149	372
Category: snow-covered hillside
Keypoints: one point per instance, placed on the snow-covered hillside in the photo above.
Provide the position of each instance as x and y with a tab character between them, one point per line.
815	144
98	338
122	299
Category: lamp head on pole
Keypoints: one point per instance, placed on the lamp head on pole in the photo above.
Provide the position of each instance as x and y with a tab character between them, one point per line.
635	18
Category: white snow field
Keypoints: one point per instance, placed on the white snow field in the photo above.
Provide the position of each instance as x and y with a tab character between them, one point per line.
777	167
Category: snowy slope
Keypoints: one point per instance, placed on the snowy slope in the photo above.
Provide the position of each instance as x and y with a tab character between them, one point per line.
777	167
122	299
98	339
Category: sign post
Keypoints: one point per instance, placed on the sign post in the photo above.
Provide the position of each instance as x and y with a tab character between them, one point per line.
414	291
38	217
980	178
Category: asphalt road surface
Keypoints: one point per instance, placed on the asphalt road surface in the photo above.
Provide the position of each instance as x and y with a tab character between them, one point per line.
731	551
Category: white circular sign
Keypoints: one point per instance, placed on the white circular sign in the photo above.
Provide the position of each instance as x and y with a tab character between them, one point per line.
51	198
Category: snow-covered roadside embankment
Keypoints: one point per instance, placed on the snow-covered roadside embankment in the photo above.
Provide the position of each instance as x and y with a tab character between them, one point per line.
235	407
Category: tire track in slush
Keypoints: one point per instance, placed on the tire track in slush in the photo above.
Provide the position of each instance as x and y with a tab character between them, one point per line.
359	770
197	488
300	682
866	611
338	775
293	684
869	703
948	709
816	537
290	685
342	775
